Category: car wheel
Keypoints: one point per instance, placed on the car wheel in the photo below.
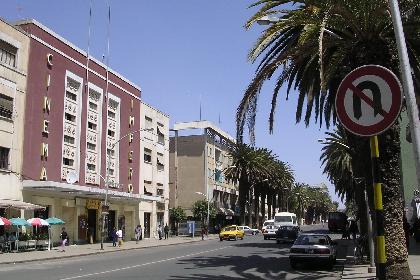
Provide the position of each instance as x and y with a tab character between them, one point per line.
293	264
265	237
278	241
221	239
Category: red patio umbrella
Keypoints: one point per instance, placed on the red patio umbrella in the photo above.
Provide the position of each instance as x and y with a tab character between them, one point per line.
4	222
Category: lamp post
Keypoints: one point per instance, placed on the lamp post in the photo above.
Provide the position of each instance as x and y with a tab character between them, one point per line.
105	205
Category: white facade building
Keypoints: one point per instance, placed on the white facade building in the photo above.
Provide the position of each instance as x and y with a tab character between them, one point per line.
154	168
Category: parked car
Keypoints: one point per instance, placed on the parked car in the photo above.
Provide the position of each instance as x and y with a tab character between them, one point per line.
311	247
287	234
248	230
231	232
270	232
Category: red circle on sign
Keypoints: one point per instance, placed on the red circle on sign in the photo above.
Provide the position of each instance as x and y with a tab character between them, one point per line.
388	119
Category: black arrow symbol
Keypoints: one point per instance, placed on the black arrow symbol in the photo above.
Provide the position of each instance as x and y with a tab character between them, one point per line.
376	94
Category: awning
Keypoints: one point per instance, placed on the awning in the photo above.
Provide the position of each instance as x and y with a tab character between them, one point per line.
17	204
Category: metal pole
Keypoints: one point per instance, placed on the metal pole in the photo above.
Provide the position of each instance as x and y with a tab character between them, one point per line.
410	98
370	234
379	210
106	196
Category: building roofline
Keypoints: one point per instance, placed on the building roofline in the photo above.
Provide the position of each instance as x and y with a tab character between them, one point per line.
203	125
17	28
153	108
74	47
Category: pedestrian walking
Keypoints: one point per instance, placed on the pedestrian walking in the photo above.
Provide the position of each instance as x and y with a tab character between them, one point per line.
354	229
114	237
166	230
120	237
64	238
160	232
137	233
203	232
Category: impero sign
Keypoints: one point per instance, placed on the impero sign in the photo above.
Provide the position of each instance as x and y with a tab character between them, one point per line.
368	100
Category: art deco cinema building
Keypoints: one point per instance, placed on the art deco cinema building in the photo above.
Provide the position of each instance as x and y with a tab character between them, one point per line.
73	117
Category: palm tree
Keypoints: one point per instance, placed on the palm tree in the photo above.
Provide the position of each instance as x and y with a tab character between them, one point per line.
311	48
250	167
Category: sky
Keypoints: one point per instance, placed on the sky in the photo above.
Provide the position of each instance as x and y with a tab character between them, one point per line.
182	54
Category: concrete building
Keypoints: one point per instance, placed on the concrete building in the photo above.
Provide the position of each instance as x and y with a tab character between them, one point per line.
197	165
82	128
154	169
14	50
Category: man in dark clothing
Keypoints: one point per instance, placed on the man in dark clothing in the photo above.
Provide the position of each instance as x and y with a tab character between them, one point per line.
64	238
353	229
166	231
407	231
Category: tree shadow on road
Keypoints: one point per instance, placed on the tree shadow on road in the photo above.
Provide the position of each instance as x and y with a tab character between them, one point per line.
256	266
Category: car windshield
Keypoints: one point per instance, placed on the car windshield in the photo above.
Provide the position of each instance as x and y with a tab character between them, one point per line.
283	219
311	240
230	228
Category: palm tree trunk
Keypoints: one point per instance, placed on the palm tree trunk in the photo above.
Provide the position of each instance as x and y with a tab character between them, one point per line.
269	201
262	207
250	207
396	251
257	209
274	204
243	189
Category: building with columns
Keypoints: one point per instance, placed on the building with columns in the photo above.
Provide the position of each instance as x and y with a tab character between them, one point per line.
154	166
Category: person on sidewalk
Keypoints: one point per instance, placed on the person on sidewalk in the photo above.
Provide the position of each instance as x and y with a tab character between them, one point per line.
203	232
64	237
353	229
407	231
114	237
166	230
120	237
160	232
137	233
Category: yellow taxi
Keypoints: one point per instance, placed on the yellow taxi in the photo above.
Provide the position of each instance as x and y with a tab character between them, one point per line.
231	232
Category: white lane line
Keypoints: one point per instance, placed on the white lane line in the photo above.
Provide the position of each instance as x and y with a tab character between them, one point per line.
143	264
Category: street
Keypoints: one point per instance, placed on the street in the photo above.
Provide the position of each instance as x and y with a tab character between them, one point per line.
251	258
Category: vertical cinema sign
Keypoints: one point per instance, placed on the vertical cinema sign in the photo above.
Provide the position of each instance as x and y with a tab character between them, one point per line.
130	152
46	108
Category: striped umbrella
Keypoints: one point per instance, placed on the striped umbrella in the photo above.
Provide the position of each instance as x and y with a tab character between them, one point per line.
38	222
4	222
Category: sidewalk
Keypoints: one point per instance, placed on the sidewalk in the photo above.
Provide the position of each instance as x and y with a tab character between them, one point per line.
352	271
92	249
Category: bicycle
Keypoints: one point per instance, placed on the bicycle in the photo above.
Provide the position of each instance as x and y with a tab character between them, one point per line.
360	249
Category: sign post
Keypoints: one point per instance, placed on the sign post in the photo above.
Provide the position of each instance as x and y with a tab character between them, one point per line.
368	102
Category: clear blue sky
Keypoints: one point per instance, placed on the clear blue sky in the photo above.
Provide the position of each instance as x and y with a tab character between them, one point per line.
177	51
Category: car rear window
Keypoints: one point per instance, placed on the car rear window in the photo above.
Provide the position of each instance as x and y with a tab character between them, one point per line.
311	240
268	223
230	228
283	219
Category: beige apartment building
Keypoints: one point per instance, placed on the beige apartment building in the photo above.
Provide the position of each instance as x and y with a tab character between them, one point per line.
154	169
198	161
14	51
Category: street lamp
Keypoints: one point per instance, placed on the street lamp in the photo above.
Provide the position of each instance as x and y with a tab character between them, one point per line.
105	206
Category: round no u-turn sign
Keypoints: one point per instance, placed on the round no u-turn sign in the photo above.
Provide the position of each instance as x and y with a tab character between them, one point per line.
368	100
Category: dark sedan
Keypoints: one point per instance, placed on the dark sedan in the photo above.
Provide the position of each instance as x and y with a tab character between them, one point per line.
287	234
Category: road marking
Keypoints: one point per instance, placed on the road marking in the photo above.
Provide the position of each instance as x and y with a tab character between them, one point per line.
144	264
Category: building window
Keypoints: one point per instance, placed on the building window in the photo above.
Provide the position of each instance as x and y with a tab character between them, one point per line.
111	133
91	167
6	106
68	139
4	158
91	146
110	152
92	126
160	162
70	118
111	172
111	114
93	106
68	162
71	95
161	136
147	156
8	54
149	122
159	192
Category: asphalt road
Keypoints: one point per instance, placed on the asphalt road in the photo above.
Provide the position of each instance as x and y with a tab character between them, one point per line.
251	258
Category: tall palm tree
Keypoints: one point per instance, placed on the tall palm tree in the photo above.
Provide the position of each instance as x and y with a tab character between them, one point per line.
250	166
311	48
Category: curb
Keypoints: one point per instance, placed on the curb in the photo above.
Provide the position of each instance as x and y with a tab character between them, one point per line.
101	252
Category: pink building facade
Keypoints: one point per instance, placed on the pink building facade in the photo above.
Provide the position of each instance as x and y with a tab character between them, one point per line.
81	129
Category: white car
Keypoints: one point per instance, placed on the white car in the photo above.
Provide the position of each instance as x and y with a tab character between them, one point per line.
267	223
270	232
248	230
312	247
